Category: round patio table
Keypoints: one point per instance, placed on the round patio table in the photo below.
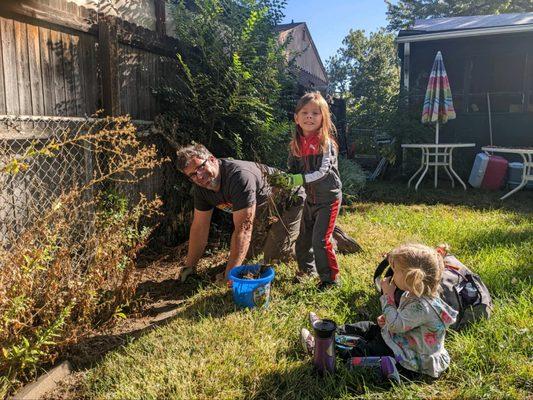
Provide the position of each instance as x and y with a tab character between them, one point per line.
527	156
436	155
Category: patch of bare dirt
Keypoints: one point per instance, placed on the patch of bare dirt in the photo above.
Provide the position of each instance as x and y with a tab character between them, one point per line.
158	296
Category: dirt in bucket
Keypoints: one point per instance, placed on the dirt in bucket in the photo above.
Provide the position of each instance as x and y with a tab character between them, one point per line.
254	275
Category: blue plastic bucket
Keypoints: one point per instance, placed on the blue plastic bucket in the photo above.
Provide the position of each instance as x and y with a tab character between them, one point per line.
251	292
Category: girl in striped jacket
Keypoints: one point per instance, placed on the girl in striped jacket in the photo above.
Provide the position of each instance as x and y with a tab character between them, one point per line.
313	164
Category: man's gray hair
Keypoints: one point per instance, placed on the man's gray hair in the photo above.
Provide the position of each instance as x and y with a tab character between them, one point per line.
185	154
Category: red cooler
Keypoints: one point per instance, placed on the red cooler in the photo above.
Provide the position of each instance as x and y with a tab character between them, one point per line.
495	173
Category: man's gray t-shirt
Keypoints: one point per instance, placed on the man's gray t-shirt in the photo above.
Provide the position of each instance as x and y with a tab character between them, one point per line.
242	183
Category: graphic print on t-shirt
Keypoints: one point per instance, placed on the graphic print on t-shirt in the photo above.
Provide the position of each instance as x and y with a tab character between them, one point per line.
226	207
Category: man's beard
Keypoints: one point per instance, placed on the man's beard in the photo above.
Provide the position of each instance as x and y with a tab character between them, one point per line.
213	183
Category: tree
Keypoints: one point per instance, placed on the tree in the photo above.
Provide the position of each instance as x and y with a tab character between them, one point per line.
365	72
403	14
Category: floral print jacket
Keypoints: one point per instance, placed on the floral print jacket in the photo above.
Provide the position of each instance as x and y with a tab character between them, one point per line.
415	332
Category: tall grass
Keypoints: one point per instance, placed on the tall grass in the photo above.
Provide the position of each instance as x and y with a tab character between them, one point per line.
213	351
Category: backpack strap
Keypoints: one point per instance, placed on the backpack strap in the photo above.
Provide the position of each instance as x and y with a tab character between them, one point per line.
381	268
379	271
384	265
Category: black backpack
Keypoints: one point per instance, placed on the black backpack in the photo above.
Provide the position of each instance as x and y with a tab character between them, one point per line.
462	290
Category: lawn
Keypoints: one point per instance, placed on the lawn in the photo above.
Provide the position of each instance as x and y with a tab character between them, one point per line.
210	350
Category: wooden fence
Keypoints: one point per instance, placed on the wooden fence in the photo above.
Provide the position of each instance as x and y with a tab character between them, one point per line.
61	59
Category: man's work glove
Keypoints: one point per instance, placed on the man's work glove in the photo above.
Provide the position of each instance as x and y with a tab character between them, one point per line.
185	272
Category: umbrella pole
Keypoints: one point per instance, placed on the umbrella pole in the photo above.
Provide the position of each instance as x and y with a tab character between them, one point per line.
436	153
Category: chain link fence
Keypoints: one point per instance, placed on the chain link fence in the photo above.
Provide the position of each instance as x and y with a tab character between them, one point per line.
32	177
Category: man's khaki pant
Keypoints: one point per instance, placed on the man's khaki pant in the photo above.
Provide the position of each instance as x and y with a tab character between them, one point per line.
275	232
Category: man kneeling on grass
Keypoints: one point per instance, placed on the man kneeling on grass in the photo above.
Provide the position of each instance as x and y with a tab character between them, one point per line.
241	188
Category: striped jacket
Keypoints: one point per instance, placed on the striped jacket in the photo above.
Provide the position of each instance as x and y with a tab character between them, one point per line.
320	170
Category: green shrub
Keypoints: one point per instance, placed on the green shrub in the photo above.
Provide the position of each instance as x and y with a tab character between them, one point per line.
353	179
72	269
232	89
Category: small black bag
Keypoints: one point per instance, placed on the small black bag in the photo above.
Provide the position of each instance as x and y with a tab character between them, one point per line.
461	289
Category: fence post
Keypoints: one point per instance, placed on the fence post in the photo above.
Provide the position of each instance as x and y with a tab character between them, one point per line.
108	56
160	18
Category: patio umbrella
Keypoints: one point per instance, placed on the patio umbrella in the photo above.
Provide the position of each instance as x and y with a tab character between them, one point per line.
438	104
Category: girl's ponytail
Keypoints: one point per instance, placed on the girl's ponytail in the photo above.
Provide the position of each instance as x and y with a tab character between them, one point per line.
423	268
414	278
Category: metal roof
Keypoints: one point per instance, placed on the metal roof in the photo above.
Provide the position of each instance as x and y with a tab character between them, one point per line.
459	27
471	22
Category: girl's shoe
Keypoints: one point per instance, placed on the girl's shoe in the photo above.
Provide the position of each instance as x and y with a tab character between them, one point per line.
313	318
308	341
323	286
302	276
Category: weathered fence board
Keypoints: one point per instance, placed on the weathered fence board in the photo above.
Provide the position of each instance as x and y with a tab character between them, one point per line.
23	68
50	66
59	59
56	56
2	87
10	68
47	73
36	80
89	74
80	106
68	70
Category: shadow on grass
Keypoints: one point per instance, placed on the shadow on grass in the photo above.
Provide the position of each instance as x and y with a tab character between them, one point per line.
302	381
498	237
502	278
399	193
89	352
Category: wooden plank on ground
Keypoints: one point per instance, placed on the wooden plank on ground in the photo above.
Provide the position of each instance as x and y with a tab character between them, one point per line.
34	56
58	72
9	56
47	71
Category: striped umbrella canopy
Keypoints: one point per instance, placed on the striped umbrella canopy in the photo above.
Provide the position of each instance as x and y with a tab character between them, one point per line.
438	103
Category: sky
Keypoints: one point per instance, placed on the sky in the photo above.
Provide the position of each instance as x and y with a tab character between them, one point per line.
329	21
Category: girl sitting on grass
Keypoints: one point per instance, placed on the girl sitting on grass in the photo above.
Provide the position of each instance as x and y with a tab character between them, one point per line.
414	331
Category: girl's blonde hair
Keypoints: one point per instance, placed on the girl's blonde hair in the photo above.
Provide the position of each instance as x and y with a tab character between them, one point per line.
422	265
327	130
